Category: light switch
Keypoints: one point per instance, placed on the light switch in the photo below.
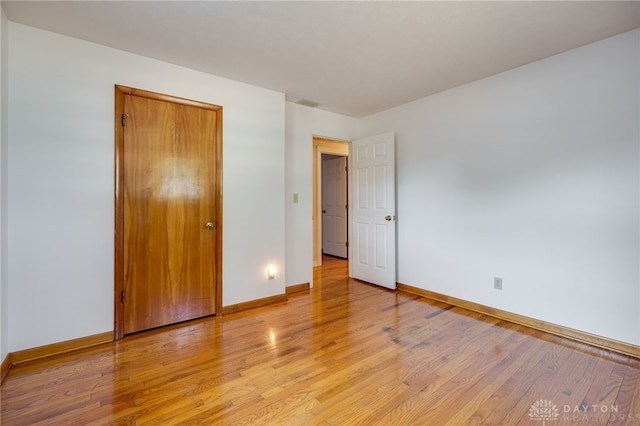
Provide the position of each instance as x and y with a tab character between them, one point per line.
295	197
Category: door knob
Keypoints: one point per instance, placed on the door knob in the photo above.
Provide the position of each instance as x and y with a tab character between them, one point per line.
324	211
209	225
388	218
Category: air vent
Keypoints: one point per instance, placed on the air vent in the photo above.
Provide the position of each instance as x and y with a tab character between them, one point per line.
308	103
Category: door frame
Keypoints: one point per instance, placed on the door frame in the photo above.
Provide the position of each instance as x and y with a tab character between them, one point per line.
120	92
321	146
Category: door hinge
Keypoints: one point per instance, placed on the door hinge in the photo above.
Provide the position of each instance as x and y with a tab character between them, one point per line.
124	119
123	297
346	206
347	244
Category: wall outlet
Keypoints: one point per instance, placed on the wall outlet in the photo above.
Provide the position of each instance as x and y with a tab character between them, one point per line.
497	283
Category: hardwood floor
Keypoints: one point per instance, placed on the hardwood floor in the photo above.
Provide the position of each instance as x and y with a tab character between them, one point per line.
344	352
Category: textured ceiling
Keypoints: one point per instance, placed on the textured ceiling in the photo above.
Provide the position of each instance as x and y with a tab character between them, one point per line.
353	58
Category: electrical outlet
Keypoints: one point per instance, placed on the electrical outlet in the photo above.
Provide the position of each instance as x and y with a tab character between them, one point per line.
497	283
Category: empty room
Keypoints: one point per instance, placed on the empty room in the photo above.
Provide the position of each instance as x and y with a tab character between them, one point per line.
301	212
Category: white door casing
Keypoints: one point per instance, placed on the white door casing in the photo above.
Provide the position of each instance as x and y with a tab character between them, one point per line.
334	207
372	210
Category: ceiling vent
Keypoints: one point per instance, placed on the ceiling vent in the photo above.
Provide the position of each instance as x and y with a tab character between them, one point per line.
308	103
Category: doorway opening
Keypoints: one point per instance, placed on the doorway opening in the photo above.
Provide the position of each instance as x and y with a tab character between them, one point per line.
327	149
335	240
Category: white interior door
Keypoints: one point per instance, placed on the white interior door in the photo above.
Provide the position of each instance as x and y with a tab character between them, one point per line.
334	206
372	210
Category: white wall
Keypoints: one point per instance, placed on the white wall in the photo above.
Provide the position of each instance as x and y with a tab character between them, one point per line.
531	175
4	289
61	165
302	123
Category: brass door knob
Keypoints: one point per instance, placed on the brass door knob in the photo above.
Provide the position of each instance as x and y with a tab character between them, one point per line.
209	225
388	218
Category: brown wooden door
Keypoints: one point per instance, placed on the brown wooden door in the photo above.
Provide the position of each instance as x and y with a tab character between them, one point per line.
170	211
